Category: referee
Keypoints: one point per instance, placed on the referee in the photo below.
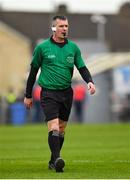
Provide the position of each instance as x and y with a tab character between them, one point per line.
56	58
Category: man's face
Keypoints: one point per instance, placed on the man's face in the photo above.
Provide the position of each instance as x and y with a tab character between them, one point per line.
61	28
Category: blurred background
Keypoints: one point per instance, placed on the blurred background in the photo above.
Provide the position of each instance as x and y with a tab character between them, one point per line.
102	31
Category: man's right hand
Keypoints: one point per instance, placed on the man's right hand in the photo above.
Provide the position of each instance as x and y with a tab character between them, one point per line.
28	102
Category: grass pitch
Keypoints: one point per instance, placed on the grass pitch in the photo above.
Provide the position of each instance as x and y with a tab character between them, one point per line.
91	151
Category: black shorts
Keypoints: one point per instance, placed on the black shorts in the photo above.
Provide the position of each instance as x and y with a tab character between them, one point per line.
56	103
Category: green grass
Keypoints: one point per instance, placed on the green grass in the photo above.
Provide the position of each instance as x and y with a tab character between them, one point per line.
91	151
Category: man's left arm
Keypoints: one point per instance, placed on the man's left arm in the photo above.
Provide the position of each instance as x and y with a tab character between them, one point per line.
83	70
88	79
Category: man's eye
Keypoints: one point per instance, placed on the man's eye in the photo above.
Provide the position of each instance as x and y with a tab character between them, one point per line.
63	26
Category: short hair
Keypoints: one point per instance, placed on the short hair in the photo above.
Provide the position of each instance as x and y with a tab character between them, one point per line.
61	17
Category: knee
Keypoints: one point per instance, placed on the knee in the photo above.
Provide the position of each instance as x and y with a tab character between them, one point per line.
61	128
53	126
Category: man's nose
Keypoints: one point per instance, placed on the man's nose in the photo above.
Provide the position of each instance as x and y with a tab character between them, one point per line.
65	28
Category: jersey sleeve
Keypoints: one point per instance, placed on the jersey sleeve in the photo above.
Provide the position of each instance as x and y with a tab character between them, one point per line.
37	57
78	61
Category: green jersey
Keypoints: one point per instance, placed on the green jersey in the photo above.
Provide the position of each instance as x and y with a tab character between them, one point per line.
56	63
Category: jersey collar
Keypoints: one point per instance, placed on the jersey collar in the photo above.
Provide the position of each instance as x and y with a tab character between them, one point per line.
59	44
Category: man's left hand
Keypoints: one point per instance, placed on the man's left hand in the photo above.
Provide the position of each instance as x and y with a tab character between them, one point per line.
91	88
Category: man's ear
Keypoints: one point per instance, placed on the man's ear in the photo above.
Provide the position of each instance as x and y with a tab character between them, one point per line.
53	28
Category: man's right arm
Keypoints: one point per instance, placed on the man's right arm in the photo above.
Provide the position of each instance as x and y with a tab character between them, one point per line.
30	82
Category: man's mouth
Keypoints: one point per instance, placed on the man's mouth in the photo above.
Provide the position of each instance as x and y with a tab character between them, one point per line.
64	34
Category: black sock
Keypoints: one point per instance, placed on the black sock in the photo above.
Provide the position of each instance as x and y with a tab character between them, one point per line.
61	137
54	144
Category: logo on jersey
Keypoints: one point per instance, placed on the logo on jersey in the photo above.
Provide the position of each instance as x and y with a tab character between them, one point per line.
51	56
70	59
